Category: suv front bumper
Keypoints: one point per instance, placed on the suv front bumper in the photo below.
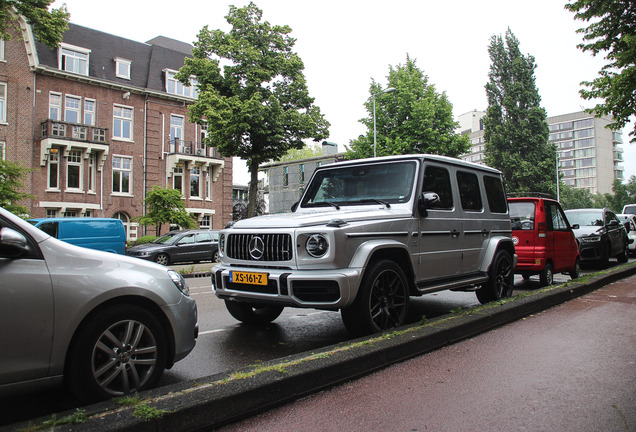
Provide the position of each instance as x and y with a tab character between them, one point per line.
324	289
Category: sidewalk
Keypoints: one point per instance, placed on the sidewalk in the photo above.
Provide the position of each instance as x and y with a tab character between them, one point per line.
225	398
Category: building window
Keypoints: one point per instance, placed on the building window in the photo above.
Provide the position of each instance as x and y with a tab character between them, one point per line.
69	213
91	172
122	174
53	169
72	106
73	59
55	106
177	179
206	222
51	213
176	87
89	112
122	122
176	133
195	178
74	170
285	176
99	135
1	49
301	176
3	153
3	103
122	68
208	184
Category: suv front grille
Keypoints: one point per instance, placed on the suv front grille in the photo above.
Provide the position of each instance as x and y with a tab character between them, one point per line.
275	247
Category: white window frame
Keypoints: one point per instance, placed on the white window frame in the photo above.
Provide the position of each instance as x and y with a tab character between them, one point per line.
195	173
123	68
177	123
120	117
90	115
174	86
53	164
75	158
208	184
73	59
206	222
77	110
92	177
55	106
121	169
2	50
177	178
3	103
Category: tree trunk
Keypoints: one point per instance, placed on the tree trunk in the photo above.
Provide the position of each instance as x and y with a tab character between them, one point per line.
253	189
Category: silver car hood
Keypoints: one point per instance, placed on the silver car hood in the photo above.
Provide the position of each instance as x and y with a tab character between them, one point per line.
322	217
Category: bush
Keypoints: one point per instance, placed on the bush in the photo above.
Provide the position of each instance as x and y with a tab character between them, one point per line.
142	240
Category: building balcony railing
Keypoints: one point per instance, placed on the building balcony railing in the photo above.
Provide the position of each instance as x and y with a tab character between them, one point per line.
73	132
183	147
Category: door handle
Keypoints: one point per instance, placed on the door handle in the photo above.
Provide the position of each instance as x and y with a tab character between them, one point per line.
454	233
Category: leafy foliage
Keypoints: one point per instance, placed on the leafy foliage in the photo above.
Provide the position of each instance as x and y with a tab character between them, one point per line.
612	30
165	206
11	175
48	26
413	119
515	127
581	198
306	152
257	104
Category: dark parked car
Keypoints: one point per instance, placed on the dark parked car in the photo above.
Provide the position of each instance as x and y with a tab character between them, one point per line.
180	246
601	235
544	241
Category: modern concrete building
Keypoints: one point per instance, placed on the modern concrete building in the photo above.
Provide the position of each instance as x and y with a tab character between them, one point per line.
101	120
589	154
285	181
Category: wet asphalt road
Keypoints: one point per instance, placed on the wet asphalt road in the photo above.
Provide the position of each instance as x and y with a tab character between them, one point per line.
571	368
224	344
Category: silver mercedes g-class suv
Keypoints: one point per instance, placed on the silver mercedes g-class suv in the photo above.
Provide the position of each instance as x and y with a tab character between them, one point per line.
368	234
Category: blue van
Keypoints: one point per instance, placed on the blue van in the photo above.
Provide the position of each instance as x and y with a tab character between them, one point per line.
105	234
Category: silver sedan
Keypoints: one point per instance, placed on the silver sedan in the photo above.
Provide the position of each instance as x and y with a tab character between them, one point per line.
104	324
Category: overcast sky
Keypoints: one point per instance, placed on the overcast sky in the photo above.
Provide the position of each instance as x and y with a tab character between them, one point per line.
347	43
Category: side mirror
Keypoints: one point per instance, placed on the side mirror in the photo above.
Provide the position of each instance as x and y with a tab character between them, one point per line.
427	200
295	206
12	243
627	226
575	226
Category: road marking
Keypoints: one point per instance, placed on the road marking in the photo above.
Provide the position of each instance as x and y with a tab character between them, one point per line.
211	331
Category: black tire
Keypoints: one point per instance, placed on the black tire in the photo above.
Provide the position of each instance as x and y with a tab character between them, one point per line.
576	271
382	301
162	259
253	314
624	256
120	350
500	279
546	277
215	256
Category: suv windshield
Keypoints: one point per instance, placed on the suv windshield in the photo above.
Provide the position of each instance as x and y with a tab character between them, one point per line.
585	218
382	183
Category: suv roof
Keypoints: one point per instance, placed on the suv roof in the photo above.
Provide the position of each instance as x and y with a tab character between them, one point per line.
428	157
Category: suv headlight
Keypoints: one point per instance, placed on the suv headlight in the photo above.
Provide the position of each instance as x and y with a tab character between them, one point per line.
591	239
317	245
221	244
179	282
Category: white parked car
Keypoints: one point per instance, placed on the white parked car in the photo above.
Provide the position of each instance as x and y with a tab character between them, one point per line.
629	220
104	324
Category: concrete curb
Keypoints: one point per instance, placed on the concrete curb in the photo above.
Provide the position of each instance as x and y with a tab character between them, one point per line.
224	398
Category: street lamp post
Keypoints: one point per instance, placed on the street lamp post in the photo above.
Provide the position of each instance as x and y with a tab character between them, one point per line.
389	90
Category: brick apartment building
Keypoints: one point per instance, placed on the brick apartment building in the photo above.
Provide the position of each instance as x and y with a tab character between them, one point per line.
101	120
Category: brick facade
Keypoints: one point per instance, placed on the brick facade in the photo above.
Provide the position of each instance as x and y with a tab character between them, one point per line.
72	129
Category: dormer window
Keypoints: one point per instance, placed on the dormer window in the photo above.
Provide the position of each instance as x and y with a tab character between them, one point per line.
176	87
73	59
122	68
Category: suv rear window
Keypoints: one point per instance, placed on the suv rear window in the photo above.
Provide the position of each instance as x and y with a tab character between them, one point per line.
495	195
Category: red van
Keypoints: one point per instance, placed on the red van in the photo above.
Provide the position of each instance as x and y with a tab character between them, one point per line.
544	241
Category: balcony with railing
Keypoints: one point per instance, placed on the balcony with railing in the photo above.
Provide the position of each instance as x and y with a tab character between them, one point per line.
188	153
65	136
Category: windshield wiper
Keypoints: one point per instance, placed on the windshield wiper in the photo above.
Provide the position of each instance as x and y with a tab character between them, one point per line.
374	200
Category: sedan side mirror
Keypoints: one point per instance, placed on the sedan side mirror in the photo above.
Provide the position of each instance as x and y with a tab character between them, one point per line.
12	243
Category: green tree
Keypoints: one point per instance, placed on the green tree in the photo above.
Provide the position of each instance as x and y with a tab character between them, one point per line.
165	206
257	104
572	198
612	30
412	119
48	26
515	128
306	152
11	175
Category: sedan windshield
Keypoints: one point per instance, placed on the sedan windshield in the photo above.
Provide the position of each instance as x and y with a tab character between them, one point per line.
167	239
585	218
380	183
